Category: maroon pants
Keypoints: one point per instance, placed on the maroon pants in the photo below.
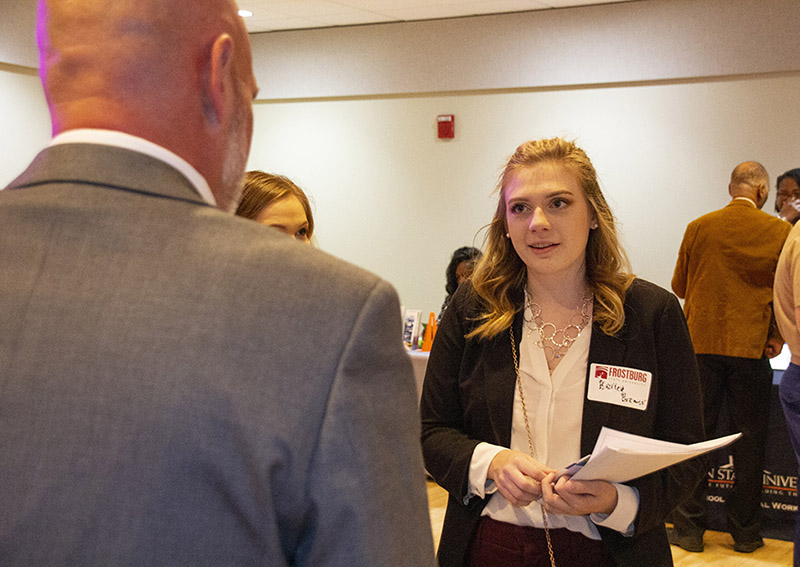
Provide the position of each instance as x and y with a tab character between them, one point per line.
499	544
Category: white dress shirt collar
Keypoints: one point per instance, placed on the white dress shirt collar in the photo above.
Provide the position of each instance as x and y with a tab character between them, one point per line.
136	144
748	199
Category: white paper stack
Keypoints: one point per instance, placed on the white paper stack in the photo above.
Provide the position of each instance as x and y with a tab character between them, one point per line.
620	457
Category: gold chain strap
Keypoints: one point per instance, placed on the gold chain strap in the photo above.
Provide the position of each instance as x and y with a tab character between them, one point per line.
530	439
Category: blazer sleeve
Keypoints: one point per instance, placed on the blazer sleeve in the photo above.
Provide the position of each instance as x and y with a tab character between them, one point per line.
367	486
446	443
678	417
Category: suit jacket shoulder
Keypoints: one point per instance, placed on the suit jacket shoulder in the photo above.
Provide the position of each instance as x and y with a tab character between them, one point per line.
207	390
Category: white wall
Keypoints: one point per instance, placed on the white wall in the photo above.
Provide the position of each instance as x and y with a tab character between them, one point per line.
24	120
394	199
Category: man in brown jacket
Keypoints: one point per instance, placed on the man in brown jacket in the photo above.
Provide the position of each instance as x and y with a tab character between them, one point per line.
725	269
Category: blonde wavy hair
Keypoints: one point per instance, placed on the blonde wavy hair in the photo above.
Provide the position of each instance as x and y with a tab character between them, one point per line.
501	274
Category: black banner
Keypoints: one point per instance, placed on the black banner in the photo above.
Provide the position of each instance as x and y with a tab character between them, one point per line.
779	493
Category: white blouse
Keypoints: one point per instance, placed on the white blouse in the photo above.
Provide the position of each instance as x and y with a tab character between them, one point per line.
555	411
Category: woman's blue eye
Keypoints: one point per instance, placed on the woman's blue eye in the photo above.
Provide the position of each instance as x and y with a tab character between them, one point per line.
517	208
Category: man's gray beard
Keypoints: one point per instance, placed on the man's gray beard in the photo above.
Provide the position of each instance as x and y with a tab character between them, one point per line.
233	166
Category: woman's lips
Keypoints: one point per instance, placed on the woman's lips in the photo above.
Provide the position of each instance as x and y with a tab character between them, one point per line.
542	247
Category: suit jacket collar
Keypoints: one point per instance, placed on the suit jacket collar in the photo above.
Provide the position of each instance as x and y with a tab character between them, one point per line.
742	202
112	167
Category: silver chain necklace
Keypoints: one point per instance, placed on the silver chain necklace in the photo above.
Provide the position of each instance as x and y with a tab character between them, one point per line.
554	341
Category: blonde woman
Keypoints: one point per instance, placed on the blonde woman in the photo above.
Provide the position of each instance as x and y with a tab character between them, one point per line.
516	383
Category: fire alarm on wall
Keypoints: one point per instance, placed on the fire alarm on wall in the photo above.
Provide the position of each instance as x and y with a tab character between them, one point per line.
446	125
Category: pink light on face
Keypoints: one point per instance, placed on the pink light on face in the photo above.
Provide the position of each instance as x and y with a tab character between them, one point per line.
41	34
46	55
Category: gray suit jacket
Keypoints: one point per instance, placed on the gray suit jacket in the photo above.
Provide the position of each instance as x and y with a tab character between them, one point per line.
180	386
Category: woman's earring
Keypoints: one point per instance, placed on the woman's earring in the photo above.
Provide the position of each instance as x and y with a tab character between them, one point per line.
594	226
508	235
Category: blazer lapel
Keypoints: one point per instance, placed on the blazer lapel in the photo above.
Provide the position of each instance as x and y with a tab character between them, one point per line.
500	382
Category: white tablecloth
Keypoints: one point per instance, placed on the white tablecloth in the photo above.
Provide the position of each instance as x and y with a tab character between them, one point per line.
419	360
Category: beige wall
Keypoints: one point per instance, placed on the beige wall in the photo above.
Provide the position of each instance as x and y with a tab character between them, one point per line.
665	96
648	40
18	32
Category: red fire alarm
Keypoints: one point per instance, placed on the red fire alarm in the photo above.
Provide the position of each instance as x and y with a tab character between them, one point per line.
447	126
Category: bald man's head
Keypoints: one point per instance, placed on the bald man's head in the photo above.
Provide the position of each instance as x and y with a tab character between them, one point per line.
750	179
177	73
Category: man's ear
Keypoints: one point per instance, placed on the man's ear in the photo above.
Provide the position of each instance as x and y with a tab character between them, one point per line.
763	192
219	68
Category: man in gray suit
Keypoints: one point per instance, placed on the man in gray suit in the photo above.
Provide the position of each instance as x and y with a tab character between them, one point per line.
177	385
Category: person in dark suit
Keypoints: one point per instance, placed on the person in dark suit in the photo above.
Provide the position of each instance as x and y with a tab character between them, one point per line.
725	270
181	386
515	386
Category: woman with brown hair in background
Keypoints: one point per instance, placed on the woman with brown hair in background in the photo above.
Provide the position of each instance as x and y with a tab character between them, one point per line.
276	201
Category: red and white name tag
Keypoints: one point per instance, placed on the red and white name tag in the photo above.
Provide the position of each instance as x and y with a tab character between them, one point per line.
618	385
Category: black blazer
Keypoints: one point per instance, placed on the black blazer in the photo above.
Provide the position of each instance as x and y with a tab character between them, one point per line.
468	396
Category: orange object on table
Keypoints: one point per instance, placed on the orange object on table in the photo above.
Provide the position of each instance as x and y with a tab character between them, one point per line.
430	333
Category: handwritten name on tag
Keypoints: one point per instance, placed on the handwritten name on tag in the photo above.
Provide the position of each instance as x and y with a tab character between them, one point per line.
627	387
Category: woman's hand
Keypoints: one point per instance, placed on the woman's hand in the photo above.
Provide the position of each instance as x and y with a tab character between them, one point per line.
578	497
790	209
518	476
